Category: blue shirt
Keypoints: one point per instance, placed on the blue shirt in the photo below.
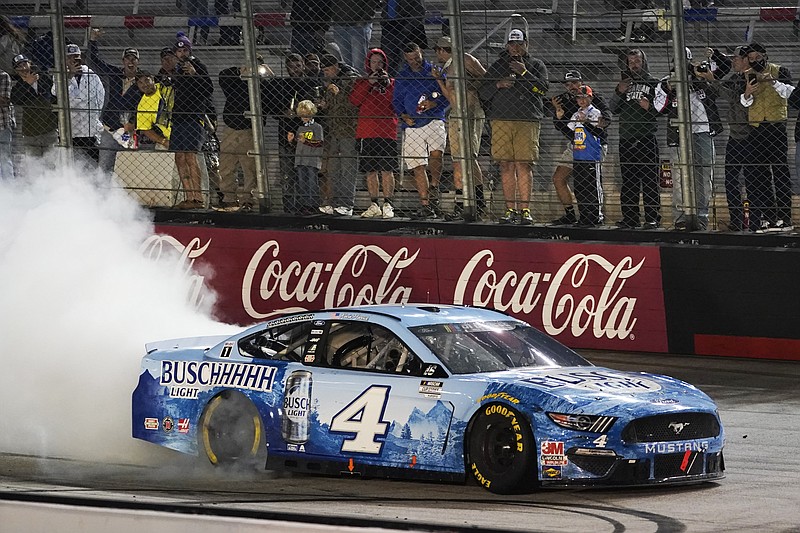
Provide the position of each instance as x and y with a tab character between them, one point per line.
411	88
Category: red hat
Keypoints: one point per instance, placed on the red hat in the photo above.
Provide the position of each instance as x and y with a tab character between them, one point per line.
585	90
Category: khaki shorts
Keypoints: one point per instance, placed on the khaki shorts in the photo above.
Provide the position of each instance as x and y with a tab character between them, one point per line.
515	140
453	130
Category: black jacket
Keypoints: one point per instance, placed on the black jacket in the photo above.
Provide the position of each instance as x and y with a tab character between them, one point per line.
524	100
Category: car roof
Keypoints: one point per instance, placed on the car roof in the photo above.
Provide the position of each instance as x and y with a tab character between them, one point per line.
418	314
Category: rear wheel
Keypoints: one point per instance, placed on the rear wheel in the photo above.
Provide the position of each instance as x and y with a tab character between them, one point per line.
501	453
231	432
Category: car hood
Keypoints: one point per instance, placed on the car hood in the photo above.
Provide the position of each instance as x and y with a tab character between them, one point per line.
598	390
188	343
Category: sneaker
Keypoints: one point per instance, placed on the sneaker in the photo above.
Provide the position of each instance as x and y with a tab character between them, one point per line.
372	211
567	219
765	227
326	210
343	211
681	226
525	217
388	210
247	207
650	225
780	226
424	212
510	217
457	214
627	224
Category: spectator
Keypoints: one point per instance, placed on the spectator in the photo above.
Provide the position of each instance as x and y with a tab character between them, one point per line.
340	148
33	94
376	132
310	20
793	98
642	32
228	35
12	43
308	156
474	72
198	9
737	149
123	97
7	125
586	124
767	113
193	90
351	24
402	22
86	97
238	139
638	145
418	102
168	63
566	105
312	67
279	97
705	124
153	114
513	88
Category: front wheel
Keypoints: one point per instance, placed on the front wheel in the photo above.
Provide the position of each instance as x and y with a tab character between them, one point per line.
231	432
501	453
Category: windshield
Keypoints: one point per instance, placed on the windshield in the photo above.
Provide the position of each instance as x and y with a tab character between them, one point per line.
470	347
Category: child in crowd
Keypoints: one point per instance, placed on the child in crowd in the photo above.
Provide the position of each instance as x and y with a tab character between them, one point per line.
587	151
308	157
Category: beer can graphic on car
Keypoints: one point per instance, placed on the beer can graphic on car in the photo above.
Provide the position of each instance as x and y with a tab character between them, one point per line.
296	407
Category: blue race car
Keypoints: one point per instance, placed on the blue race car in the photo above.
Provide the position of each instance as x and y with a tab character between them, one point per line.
421	391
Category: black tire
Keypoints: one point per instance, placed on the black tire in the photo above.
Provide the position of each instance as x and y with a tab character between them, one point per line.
501	451
231	432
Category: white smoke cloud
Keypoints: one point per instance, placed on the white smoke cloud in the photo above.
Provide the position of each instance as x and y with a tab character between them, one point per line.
78	302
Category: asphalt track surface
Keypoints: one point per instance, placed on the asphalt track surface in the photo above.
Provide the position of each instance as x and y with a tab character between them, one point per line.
759	403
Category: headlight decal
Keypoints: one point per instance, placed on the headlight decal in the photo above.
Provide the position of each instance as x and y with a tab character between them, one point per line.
589	423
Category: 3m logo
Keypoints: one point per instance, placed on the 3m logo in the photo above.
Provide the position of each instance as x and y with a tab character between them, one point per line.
552	448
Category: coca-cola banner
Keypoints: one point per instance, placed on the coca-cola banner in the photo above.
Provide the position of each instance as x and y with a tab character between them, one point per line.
587	295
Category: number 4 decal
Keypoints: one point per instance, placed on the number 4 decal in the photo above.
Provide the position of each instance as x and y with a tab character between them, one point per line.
364	417
601	441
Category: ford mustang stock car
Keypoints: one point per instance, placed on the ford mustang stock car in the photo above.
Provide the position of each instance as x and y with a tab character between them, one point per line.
421	391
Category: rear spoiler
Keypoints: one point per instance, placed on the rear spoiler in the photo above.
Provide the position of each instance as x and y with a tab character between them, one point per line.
187	343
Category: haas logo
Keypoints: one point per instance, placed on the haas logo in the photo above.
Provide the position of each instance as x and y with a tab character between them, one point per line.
678	427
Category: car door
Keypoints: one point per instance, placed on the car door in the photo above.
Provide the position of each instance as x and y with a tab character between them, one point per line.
371	404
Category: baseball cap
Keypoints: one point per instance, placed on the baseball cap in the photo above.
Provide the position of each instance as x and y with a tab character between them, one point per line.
328	60
758	47
573	75
130	52
20	58
166	51
73	50
741	51
585	90
182	42
444	42
516	36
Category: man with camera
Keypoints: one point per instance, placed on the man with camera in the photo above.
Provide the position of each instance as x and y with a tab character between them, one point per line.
768	112
193	90
638	146
705	124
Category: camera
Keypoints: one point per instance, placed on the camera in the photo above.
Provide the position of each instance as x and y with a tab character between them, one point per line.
262	71
705	66
179	67
381	78
752	77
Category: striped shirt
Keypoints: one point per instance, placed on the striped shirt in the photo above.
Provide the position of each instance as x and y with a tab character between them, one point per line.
6	111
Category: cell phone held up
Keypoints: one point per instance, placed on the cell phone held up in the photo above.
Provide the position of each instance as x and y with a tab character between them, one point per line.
752	77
